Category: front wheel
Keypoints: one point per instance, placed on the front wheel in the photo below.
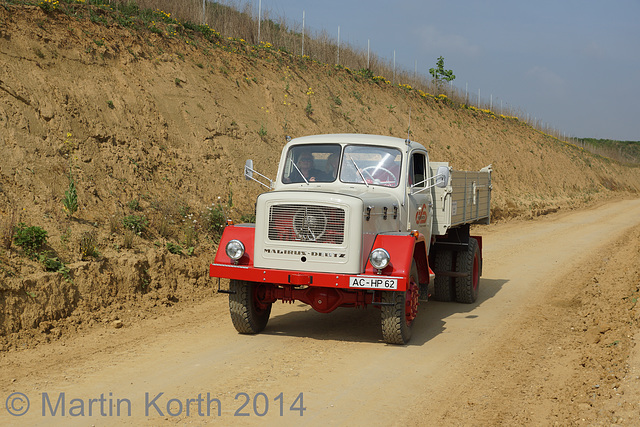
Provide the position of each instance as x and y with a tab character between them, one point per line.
399	310
248	314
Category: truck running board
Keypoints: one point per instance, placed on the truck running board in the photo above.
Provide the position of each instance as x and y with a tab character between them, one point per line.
452	274
452	246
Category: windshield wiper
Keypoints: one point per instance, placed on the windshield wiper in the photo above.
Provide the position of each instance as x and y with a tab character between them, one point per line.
359	171
299	171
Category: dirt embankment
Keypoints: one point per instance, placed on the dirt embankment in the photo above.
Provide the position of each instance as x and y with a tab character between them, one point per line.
160	125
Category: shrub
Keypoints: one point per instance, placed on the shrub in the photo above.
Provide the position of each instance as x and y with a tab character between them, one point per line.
30	239
134	205
174	248
70	200
135	223
51	263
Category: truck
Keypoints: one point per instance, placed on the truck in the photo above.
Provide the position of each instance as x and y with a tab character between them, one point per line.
355	220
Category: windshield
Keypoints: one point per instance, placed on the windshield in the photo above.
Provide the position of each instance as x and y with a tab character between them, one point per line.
371	165
311	163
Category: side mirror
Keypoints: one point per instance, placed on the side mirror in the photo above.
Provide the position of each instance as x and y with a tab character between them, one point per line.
248	170
442	177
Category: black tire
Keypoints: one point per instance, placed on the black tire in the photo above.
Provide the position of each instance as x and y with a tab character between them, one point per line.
246	314
468	262
444	288
397	319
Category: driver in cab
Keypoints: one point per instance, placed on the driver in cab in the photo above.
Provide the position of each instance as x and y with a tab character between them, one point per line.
305	167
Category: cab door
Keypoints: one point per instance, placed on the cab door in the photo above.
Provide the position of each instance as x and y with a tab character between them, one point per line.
419	196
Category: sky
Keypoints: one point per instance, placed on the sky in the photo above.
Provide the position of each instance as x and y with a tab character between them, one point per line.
573	65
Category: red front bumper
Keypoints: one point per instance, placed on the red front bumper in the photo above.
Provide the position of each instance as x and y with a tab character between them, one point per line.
223	267
295	278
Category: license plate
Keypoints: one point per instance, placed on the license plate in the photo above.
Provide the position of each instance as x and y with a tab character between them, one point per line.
372	282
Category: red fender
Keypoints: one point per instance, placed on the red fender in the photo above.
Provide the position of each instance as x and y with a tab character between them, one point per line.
403	249
244	233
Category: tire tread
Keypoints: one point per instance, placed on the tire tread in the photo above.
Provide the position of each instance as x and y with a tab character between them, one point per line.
443	286
244	315
394	327
465	292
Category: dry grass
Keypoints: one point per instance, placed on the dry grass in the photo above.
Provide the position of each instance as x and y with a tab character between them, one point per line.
162	226
114	223
88	244
127	241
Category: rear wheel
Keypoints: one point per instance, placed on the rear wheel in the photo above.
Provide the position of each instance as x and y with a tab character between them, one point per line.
443	286
399	310
248	314
468	262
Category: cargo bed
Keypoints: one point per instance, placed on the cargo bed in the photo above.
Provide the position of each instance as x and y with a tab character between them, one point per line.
465	200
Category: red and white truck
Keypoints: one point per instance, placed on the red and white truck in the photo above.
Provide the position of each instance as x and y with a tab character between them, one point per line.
356	220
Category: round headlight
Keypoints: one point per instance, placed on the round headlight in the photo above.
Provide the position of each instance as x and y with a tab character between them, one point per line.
379	258
235	249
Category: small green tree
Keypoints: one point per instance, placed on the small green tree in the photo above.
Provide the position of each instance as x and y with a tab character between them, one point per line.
441	75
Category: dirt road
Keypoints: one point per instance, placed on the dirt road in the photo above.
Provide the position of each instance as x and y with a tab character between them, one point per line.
549	340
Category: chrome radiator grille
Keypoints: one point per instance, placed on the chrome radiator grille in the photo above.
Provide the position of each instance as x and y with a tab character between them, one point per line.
306	223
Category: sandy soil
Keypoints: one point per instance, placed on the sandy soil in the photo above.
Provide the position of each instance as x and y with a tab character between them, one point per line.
551	340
